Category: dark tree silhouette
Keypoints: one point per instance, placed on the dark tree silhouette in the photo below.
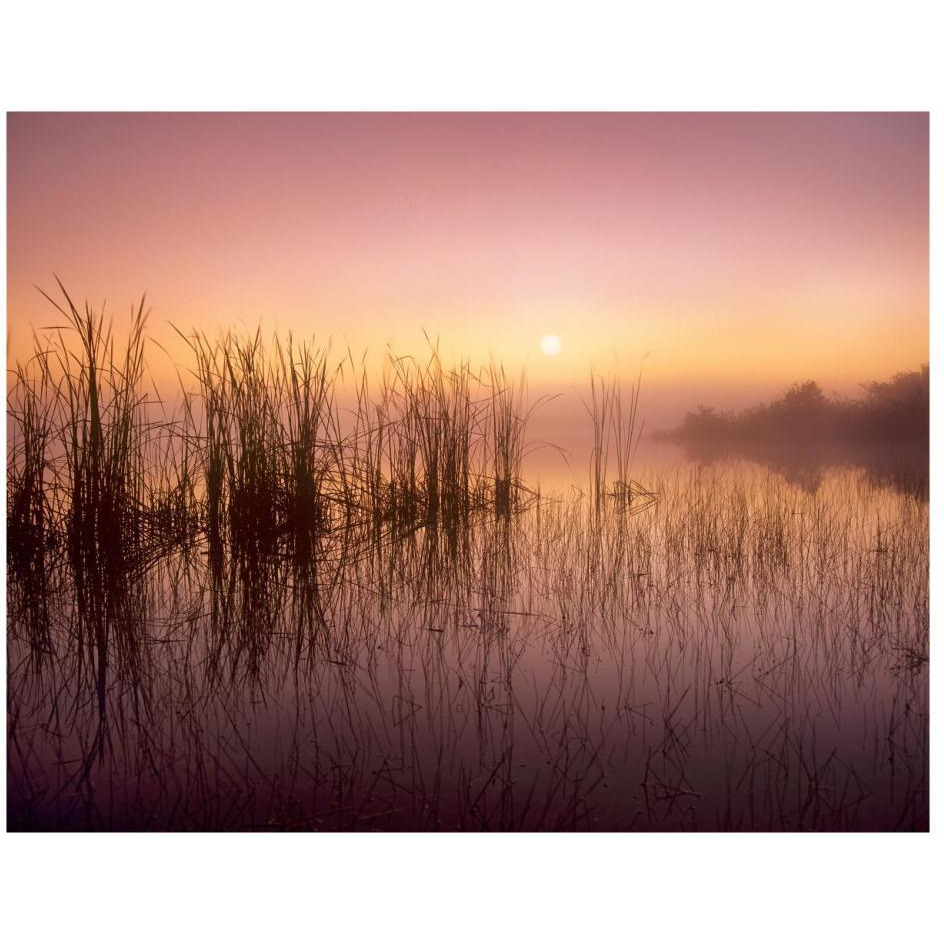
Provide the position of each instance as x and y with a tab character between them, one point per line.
889	412
885	431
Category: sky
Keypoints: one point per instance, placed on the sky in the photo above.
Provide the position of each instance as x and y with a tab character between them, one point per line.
737	252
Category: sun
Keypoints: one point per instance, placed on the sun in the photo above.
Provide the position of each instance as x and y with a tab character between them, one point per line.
550	345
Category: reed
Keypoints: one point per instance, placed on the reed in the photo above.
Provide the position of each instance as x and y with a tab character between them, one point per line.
32	532
617	430
32	425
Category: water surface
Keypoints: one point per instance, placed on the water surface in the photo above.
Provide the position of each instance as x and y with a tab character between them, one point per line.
749	652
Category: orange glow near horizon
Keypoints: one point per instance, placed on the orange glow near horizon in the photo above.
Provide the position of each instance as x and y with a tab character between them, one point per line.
743	251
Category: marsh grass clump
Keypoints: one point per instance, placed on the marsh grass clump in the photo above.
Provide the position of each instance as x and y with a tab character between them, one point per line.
617	430
101	433
84	446
506	418
421	450
436	446
262	431
311	440
31	504
252	463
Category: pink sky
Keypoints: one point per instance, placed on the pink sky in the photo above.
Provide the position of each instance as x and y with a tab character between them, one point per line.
744	251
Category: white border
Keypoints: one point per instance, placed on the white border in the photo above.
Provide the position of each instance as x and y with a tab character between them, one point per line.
544	56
